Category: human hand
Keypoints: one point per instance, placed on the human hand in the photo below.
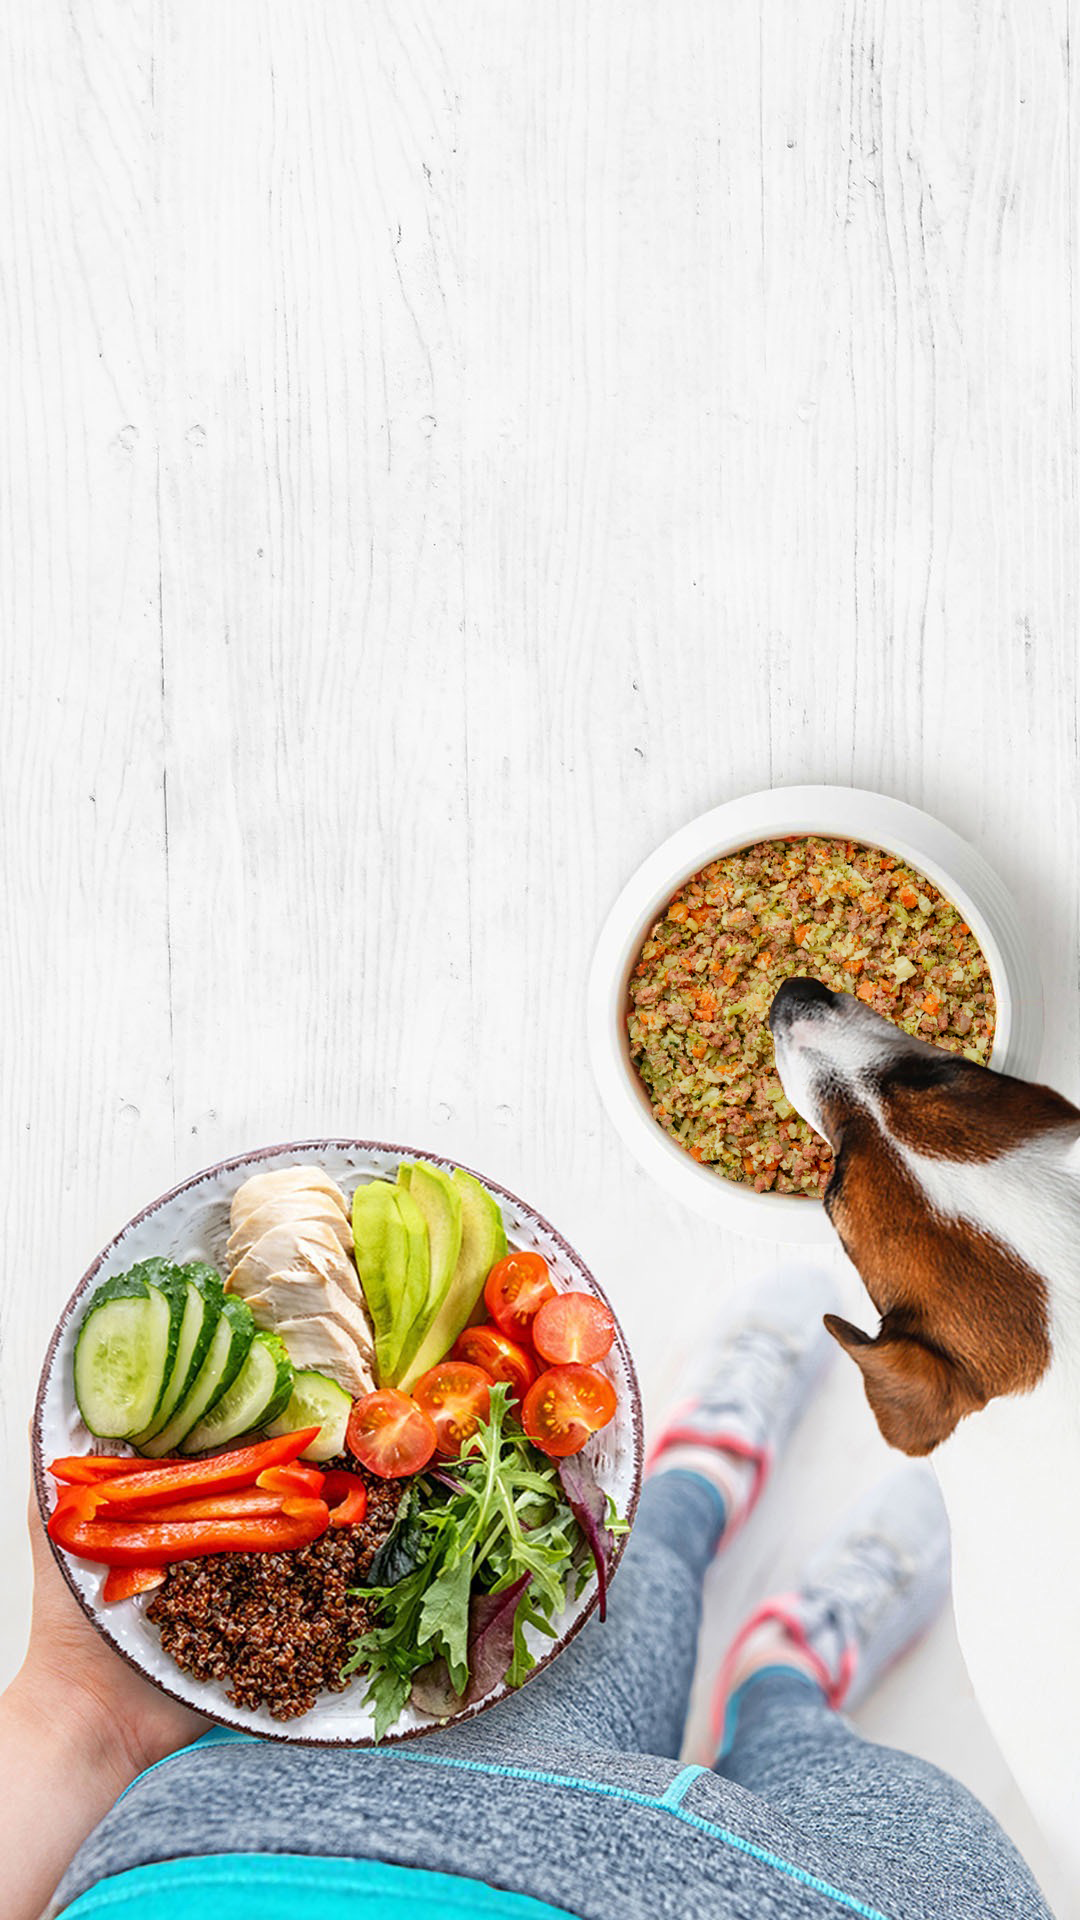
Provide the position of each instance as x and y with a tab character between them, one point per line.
71	1670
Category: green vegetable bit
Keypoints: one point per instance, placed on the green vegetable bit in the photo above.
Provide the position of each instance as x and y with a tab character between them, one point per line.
505	1517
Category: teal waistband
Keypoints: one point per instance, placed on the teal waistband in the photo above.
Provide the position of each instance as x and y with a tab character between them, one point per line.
283	1886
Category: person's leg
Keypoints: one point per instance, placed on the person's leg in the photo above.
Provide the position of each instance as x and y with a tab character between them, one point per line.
625	1682
866	1596
929	1834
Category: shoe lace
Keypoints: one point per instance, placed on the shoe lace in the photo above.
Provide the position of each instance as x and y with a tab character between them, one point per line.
871	1573
752	1369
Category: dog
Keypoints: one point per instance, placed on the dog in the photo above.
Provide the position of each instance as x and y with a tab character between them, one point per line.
956	1194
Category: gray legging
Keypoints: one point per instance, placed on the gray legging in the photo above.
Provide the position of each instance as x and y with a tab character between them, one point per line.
572	1792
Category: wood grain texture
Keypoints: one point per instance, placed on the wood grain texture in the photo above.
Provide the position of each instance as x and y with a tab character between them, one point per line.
445	448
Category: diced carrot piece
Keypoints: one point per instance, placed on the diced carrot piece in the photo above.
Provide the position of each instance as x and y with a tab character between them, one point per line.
677	910
856	963
932	1003
908	897
801	933
864	990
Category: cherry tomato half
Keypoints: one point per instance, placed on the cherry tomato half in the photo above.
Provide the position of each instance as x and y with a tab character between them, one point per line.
514	1290
565	1406
573	1326
456	1397
390	1434
499	1356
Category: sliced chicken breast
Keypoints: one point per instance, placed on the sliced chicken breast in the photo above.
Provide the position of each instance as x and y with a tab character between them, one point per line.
325	1346
295	1209
261	1187
306	1296
291	1248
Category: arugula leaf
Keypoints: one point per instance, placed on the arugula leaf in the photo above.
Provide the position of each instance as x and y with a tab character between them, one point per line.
387	1694
444	1615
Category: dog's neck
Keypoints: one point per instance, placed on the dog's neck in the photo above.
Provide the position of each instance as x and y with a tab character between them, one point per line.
1028	1199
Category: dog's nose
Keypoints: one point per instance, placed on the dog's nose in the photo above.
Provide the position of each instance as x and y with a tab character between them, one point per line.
800	995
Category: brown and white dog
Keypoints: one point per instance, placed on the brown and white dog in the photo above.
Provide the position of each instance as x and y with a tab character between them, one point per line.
956	1194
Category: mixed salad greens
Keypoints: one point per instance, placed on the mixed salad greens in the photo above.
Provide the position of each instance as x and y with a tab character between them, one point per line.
478	1553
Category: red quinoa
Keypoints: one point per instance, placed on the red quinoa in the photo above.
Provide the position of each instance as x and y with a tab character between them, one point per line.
275	1628
853	917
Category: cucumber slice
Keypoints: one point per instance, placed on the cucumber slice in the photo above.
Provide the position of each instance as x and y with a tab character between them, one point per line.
226	1354
259	1393
203	1293
163	1275
316	1399
122	1355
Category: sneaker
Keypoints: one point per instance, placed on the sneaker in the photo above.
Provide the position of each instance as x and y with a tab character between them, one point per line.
762	1359
865	1598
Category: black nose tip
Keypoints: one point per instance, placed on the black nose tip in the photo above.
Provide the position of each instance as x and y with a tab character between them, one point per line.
798	996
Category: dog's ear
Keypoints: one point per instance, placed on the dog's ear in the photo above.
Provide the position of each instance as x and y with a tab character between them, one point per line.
917	1394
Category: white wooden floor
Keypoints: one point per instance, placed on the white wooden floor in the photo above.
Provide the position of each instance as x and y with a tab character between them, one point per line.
446	446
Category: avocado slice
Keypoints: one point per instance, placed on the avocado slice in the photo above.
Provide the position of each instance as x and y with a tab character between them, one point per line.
483	1241
439	1200
412	1297
390	1238
381	1259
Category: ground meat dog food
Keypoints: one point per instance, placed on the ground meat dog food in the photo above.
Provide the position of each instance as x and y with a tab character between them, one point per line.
275	1628
855	918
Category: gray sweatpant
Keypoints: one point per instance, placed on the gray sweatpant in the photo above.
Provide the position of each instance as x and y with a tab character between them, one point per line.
572	1791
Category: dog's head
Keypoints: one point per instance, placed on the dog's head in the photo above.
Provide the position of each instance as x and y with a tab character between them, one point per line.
956	1193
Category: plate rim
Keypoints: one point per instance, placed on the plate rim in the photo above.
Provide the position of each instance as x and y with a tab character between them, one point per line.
227	1165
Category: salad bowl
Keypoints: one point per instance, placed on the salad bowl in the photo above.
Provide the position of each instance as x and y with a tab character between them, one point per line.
191	1222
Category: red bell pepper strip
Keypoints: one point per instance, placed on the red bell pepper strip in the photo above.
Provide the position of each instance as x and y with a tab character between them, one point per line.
294	1478
86	1469
240	1503
122	1582
131	1542
218	1473
346	1496
82	1501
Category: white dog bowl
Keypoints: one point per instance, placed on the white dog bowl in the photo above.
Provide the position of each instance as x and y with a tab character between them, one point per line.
846	813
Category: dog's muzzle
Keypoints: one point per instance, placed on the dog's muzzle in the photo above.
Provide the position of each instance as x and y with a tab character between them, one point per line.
797	999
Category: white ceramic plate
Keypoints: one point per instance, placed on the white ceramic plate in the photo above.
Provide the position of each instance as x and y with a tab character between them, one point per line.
192	1223
849	813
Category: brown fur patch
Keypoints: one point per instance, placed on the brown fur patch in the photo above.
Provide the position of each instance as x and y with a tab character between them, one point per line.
974	1117
963	1317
